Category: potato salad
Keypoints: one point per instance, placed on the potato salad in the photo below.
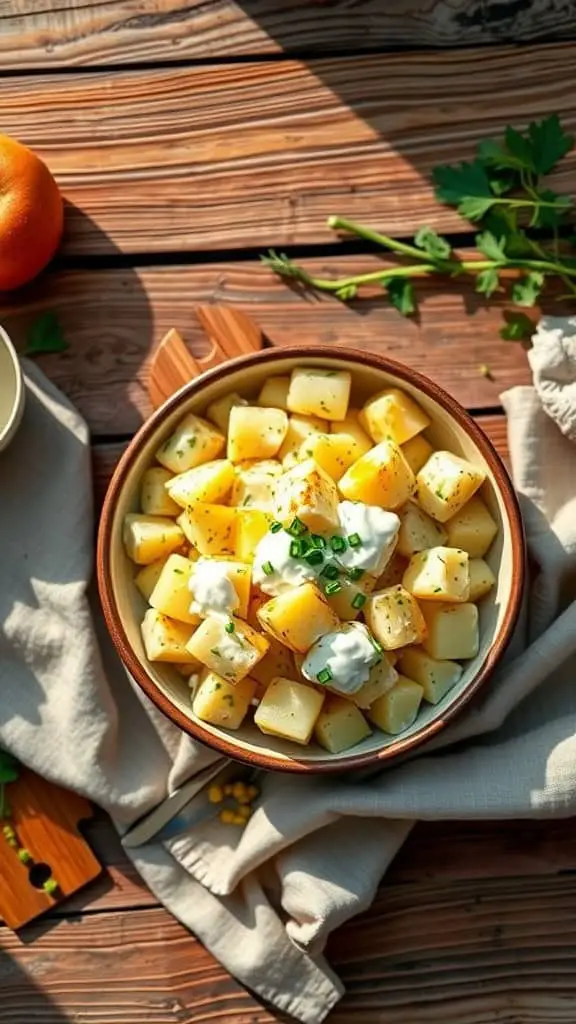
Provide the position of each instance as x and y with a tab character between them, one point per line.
311	565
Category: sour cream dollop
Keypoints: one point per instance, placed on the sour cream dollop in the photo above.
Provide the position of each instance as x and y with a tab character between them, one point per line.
212	591
287	572
378	533
347	653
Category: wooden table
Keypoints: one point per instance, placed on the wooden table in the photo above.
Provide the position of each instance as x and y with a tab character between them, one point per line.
188	135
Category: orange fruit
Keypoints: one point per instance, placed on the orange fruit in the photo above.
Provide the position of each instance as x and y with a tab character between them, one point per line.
31	214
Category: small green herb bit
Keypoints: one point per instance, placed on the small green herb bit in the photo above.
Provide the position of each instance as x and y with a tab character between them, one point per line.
45	336
275	527
229	627
332	587
330	572
297	528
324	676
355	540
314	557
359	601
338	544
355	573
296	550
51	886
267	568
317	541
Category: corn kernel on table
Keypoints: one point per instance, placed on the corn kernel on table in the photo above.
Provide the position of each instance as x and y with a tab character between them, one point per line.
187	137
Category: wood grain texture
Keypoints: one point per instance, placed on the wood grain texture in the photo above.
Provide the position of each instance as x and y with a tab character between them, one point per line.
93	33
114	319
259	154
500	951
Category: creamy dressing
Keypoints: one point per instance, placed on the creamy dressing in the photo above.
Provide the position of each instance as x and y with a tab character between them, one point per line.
212	591
348	653
378	532
288	572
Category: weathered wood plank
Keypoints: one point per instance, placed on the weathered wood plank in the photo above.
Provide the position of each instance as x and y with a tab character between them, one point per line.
95	33
500	950
257	154
113	320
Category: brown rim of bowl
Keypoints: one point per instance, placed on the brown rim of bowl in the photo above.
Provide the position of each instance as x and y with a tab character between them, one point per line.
227	746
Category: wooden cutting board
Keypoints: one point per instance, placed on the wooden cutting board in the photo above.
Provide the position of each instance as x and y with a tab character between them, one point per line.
230	332
45	821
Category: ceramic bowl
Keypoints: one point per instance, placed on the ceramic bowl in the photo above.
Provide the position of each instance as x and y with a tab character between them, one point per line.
451	428
11	390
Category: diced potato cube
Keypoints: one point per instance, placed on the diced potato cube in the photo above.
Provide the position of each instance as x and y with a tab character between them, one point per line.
255	433
322	393
194	442
350	601
382	678
394	618
231	655
334	452
393	573
251	525
171	595
219	411
435	677
351	425
278	661
452	630
298	617
274	393
392	415
150	538
299	428
210	528
397	709
381	477
417	451
340	725
210	483
472	528
306	492
164	639
482	579
255	484
289	709
221	703
147	577
417	531
154	501
439	574
445	483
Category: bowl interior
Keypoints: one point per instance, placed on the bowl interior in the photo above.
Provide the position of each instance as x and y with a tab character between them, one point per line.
445	432
10	389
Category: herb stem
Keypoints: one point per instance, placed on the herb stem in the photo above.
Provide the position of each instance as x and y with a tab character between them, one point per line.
369	235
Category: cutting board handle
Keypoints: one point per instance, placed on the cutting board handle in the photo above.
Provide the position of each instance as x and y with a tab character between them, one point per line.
230	332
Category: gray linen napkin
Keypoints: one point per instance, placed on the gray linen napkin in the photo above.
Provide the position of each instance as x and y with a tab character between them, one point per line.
264	900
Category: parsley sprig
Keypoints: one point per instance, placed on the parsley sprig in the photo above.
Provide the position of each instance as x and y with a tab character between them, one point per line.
502	191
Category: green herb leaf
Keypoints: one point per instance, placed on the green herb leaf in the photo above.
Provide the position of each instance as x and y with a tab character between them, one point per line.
518	327
465	186
433	244
528	288
491	246
45	336
401	294
553	215
487	282
549	143
494	154
519	149
8	768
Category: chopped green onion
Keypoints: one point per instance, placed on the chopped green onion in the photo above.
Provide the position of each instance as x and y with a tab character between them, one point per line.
354	540
332	587
297	528
337	544
267	568
376	645
314	557
275	527
296	548
229	627
355	573
359	601
330	572
324	676
317	541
